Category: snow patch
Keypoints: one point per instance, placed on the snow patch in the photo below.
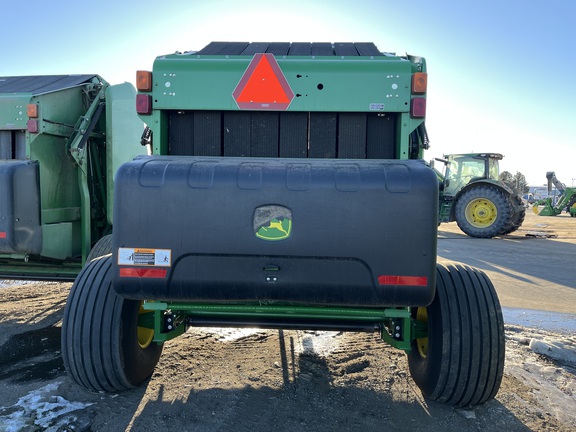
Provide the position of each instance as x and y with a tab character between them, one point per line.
40	408
228	334
561	351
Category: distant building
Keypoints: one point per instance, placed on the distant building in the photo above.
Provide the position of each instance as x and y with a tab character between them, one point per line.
540	192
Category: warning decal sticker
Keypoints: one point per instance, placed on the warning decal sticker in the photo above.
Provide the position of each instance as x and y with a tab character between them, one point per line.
145	257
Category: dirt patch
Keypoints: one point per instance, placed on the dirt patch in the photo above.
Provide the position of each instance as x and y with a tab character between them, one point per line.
256	380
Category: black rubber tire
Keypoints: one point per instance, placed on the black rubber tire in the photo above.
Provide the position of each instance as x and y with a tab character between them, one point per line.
463	362
101	248
100	345
497	199
518	215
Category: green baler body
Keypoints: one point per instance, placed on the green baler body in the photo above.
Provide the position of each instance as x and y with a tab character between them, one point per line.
328	84
263	102
70	143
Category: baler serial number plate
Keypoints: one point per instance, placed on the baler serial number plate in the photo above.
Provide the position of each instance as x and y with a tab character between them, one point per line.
144	257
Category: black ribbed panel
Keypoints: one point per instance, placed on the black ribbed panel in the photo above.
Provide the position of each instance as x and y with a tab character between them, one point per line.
283	134
6	145
207	133
300	49
294	135
236	130
322	49
264	142
380	136
291	49
181	134
322	135
345	49
352	136
279	48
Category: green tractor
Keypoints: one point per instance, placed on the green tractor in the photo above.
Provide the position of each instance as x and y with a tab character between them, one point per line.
472	195
566	199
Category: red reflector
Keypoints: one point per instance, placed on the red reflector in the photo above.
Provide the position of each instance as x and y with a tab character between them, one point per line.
418	107
403	280
144	104
143	272
32	126
2	234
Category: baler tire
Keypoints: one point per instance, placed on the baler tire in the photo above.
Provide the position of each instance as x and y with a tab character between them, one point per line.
483	212
101	248
461	361
100	345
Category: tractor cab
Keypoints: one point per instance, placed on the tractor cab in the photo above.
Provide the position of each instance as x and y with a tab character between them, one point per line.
463	169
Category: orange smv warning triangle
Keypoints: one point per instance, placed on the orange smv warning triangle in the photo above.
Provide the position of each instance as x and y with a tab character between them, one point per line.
263	86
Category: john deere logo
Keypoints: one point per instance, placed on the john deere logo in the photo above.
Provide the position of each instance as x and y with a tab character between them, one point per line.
272	222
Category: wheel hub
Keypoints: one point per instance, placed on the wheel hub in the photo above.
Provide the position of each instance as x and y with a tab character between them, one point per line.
481	212
145	335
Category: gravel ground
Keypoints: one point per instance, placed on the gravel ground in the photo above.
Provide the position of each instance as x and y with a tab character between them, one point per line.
257	380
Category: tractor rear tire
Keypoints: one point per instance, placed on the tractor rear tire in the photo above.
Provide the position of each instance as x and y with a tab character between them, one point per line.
483	212
461	361
518	215
102	346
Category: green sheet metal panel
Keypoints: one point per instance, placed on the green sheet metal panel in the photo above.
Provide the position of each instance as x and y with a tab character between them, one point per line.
198	82
123	132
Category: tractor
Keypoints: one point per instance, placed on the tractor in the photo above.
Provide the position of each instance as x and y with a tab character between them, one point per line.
565	201
472	195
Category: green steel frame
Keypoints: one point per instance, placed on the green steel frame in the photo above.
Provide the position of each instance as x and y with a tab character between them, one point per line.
397	327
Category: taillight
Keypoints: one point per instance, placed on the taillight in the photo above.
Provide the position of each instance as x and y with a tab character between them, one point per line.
144	81
418	107
419	83
32	126
403	280
144	104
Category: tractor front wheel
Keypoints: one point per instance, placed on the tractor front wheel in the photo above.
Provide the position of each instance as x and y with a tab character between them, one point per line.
103	347
571	207
483	212
460	361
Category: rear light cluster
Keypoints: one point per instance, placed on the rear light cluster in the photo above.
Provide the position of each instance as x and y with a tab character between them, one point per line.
32	112
419	87
144	84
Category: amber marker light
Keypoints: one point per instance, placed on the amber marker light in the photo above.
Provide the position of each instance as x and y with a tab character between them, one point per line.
144	81
32	110
419	82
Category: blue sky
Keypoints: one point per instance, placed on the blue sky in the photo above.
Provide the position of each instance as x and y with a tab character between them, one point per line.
501	72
